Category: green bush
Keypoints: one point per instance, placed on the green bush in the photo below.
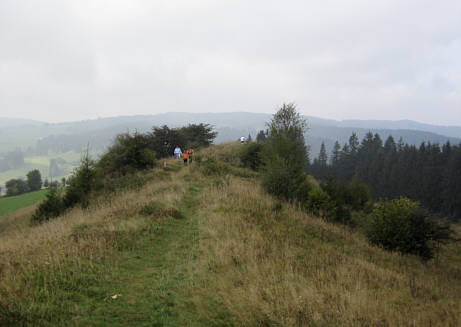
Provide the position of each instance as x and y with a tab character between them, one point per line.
403	225
250	155
358	195
129	153
51	207
320	204
340	195
279	179
82	183
16	187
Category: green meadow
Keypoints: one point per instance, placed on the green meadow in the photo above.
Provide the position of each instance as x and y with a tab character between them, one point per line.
42	163
13	203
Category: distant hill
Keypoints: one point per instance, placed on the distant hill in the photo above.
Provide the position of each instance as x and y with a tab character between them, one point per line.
230	126
14	122
452	131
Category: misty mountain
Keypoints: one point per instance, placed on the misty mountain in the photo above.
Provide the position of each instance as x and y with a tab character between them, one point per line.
452	131
14	122
41	137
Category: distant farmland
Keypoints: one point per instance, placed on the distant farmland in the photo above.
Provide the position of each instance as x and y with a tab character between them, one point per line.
13	203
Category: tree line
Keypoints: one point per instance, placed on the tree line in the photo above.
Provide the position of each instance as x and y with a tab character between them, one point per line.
430	173
17	186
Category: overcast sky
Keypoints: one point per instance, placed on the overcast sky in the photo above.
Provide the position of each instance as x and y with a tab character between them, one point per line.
392	59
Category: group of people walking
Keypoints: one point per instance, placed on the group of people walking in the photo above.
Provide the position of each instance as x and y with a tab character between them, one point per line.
186	156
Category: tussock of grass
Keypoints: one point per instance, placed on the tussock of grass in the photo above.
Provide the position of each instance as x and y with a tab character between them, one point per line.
270	264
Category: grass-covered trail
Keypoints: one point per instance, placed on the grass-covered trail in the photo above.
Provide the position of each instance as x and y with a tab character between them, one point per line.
138	247
152	275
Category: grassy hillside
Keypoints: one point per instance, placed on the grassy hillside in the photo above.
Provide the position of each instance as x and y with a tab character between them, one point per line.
205	246
14	203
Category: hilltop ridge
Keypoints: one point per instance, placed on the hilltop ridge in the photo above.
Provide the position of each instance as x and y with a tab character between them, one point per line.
205	245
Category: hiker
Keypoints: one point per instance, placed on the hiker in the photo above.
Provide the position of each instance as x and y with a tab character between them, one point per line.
185	156
177	153
242	140
190	152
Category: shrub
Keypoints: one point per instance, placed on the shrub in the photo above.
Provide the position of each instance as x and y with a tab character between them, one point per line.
403	225
339	194
358	195
280	180
16	187
129	153
83	181
346	197
250	155
320	204
51	207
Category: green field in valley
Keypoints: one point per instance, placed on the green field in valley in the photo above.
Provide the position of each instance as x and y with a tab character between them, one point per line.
13	203
67	162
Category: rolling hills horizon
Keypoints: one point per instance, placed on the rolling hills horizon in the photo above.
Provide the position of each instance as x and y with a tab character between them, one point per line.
404	124
99	133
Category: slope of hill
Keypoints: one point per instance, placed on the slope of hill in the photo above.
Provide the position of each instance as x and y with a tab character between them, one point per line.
203	246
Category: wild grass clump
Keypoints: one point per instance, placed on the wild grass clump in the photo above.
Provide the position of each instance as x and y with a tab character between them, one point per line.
250	155
159	210
214	167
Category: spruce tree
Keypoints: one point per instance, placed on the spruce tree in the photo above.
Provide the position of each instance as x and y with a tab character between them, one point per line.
323	157
261	137
285	156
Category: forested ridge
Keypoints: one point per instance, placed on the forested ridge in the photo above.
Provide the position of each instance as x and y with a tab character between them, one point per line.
430	173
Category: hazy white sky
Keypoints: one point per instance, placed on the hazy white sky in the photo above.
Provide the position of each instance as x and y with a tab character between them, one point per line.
369	59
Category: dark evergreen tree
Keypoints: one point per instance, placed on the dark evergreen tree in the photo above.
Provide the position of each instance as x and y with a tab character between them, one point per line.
261	137
82	183
335	156
319	168
323	157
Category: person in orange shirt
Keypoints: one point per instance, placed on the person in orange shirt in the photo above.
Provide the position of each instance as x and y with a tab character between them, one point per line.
190	152
185	156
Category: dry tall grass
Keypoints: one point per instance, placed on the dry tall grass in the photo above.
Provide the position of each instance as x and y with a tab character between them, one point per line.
273	265
261	262
69	245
